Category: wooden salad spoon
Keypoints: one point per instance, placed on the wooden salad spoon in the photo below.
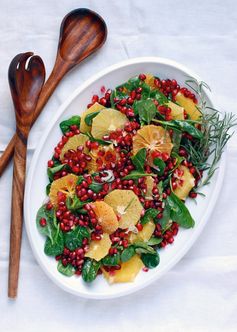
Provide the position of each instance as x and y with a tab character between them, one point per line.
26	77
82	33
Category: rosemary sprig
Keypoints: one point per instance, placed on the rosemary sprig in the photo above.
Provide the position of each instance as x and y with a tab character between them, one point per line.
215	126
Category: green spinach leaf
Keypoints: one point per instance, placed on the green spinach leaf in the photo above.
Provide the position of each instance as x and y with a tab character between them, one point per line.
54	246
149	215
128	253
90	270
154	241
143	248
139	159
166	216
179	212
160	166
89	117
176	139
53	170
74	238
159	96
111	260
74	203
49	216
134	175
150	260
96	187
74	120
66	270
146	109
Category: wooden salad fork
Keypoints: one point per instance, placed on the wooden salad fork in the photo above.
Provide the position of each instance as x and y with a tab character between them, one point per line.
26	77
82	33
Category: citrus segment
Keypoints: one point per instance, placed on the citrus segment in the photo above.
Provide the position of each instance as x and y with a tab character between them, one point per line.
189	106
94	108
106	121
126	205
150	81
105	155
73	143
184	180
177	112
99	249
153	138
127	273
106	217
149	181
65	185
145	234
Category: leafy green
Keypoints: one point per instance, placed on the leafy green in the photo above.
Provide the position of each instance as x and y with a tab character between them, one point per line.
96	187
182	125
159	96
52	170
54	246
149	215
48	215
47	189
154	241
146	109
90	117
143	248
128	253
160	166
74	203
66	270
176	139
65	125
150	260
179	212
100	141
139	159
90	270
80	180
111	260
74	238
166	216
136	175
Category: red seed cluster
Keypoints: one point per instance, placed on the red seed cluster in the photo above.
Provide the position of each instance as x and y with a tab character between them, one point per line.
168	236
74	257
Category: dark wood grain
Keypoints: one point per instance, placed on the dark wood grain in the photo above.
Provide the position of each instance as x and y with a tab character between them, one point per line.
26	82
82	33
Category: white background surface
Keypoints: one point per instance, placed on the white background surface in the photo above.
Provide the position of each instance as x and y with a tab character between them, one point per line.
200	293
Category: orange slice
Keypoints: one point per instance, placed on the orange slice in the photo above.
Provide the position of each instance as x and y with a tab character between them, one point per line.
189	106
127	273
65	185
73	143
99	249
92	165
150	81
145	234
153	138
126	205
149	181
105	216
94	108
185	182
177	112
106	121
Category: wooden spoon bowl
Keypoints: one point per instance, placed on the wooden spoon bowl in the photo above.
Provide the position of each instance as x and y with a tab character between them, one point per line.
82	33
26	78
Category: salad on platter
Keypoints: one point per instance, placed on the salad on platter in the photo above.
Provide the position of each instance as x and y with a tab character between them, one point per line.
121	173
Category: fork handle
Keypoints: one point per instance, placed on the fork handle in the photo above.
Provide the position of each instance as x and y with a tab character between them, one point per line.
18	185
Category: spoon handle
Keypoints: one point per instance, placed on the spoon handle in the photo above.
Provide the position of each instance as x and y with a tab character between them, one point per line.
52	82
18	186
